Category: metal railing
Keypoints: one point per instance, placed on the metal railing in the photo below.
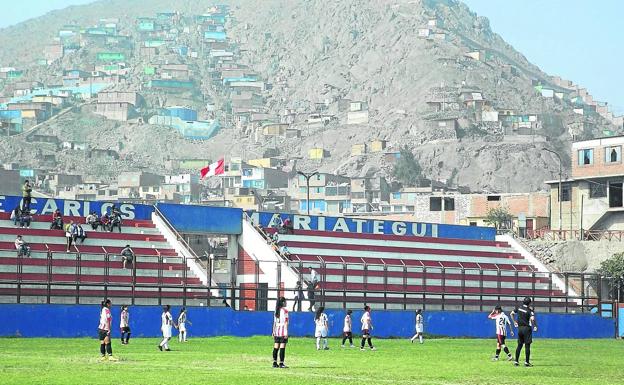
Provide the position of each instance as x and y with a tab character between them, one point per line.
89	277
566	235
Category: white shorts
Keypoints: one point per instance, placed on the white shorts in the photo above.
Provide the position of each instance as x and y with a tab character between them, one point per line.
182	327
419	329
166	331
320	332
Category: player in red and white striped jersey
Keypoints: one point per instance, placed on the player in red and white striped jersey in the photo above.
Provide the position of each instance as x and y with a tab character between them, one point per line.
104	330
502	321
280	332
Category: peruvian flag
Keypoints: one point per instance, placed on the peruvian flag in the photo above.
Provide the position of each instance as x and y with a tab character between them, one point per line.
216	168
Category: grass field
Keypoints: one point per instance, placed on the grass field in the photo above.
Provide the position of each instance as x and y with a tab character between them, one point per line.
228	360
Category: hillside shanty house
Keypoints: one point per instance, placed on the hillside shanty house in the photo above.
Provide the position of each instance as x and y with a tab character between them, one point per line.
116	105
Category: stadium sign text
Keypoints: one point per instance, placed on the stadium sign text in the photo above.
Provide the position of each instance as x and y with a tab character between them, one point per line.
46	206
374	226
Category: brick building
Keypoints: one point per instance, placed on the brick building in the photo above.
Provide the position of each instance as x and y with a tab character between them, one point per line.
591	199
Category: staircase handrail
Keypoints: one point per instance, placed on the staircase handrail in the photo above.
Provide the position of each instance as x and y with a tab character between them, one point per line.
178	236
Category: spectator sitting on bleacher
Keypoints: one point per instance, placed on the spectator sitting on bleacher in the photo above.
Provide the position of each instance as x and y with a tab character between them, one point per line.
287	226
127	255
115	221
285	252
78	233
57	220
68	234
93	220
16	214
105	221
23	250
25	219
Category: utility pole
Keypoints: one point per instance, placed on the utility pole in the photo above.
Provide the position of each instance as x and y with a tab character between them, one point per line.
307	178
560	192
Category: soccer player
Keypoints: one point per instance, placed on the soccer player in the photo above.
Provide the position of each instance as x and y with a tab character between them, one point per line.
420	327
165	327
502	321
526	324
280	332
104	330
182	325
367	326
124	325
322	327
347	329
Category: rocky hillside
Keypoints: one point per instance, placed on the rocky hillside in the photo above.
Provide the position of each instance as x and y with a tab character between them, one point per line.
316	54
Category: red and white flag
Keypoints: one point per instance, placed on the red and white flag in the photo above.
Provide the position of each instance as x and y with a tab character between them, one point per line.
216	168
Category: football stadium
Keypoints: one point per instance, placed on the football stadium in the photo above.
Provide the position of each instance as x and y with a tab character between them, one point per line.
170	293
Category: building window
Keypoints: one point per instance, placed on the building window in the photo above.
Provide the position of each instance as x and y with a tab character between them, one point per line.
156	189
331	191
597	190
397	208
409	208
396	195
566	192
145	189
435	204
613	154
473	223
449	204
585	157
493	198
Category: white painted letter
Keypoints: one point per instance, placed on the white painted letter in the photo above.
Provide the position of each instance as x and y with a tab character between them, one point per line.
301	222
399	228
434	230
105	207
341	225
419	232
127	211
71	209
378	227
49	207
359	223
320	226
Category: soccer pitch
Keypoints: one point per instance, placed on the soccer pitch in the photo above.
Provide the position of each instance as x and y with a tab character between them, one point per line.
229	360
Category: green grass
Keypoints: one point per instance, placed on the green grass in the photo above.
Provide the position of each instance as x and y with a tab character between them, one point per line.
228	360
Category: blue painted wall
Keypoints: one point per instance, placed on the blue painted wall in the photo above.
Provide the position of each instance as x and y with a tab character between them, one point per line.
369	226
203	219
621	322
77	208
82	321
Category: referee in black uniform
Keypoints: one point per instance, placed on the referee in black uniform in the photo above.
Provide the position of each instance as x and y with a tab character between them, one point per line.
526	325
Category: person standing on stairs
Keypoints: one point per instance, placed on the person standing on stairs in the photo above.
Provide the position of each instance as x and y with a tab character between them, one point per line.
68	235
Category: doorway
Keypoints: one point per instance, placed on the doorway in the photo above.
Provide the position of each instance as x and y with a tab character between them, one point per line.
615	194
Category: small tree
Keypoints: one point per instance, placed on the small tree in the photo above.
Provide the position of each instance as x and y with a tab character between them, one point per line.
499	217
613	268
407	170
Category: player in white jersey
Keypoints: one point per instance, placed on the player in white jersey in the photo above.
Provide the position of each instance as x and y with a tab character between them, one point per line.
367	327
322	328
182	321
124	324
280	332
165	326
420	327
502	321
104	331
347	329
